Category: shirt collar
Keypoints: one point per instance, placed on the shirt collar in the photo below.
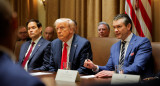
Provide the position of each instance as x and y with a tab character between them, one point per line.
128	38
69	42
36	41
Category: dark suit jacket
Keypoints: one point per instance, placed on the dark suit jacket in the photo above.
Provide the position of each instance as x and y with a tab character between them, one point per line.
41	50
13	75
80	47
137	60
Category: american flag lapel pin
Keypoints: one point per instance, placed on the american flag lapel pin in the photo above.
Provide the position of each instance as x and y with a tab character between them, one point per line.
132	54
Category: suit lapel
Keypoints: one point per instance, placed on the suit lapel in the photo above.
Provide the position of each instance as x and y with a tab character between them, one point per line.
39	44
132	41
74	45
26	46
118	52
58	53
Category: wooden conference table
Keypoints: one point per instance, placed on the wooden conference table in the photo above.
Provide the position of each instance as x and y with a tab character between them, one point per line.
49	80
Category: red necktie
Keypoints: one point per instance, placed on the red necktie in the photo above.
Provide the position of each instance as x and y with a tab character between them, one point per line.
64	55
28	54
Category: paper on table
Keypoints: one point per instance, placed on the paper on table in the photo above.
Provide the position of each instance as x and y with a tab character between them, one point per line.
39	73
88	76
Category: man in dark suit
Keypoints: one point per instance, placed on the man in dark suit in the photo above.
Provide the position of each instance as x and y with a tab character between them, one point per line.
11	74
78	48
134	56
40	48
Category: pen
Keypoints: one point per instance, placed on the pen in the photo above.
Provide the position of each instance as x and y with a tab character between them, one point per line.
87	56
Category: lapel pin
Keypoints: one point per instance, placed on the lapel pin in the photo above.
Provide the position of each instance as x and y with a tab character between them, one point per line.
132	54
39	45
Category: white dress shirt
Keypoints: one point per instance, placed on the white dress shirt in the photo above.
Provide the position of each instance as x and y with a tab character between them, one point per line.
69	43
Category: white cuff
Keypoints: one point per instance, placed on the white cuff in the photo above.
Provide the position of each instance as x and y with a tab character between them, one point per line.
97	70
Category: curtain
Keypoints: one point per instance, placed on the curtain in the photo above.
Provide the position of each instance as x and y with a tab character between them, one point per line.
25	9
87	13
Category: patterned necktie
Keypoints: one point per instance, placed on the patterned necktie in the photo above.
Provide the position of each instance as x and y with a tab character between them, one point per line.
28	55
64	55
121	61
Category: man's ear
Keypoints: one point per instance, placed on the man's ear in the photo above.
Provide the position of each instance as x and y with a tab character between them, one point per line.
40	28
129	26
72	30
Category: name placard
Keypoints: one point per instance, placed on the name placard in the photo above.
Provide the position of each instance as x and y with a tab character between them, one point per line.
124	78
67	75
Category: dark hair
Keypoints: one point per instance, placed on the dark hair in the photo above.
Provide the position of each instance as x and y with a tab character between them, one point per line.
34	20
126	18
104	24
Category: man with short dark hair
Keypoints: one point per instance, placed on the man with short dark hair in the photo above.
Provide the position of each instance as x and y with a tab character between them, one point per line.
11	74
33	51
132	53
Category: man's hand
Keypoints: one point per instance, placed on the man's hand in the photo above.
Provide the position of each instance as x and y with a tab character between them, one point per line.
89	64
104	73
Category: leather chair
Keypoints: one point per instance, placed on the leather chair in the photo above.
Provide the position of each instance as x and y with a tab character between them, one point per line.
156	56
17	49
101	49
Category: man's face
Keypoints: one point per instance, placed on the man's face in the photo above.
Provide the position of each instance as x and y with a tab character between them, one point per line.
121	31
33	31
49	33
22	33
64	33
103	31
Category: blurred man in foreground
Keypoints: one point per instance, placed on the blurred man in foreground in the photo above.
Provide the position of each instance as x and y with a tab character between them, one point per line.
11	74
